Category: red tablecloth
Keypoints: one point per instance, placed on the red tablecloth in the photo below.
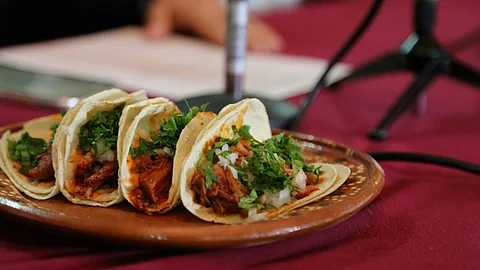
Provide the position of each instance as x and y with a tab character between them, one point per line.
425	218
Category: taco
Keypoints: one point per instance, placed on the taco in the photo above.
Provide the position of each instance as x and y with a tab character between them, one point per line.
87	149
155	144
238	172
26	157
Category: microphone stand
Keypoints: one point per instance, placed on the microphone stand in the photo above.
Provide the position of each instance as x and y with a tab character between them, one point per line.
281	113
422	55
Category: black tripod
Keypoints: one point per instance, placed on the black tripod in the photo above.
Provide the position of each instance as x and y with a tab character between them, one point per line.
422	55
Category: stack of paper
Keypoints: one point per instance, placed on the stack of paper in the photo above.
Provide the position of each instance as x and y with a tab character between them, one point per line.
176	67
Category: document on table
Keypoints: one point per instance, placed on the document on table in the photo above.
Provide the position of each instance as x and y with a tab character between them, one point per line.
177	67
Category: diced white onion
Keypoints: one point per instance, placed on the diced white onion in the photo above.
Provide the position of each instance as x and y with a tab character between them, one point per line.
300	180
233	157
225	147
234	172
219	151
107	156
254	216
284	197
164	151
230	159
100	146
168	151
250	177
278	199
223	162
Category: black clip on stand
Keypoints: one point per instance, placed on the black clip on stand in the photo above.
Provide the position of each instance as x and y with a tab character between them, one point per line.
422	55
280	113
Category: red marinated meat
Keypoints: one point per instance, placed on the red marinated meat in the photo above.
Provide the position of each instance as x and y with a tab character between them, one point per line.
199	189
84	166
312	179
44	169
308	190
155	180
224	194
108	170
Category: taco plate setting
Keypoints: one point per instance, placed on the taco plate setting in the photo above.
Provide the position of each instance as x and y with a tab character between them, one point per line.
119	167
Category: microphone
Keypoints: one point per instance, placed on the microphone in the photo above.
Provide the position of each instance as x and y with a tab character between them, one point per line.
236	45
281	113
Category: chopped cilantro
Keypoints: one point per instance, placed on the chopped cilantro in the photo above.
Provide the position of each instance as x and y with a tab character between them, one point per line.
26	151
102	127
248	202
224	141
244	132
210	153
145	148
168	134
270	167
210	176
200	162
225	154
312	169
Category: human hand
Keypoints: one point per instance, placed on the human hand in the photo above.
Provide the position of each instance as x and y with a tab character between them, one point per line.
206	19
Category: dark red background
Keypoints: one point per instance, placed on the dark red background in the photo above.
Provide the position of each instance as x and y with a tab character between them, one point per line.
425	218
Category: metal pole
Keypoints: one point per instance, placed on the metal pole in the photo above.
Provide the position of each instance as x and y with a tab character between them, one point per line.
236	46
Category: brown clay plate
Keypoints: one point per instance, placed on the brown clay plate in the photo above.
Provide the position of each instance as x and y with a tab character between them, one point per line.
123	224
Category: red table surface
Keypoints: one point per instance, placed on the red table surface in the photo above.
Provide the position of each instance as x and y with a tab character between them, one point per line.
425	218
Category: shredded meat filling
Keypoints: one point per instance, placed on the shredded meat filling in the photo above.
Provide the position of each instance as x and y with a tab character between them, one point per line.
44	170
96	180
225	193
155	180
308	190
313	179
90	175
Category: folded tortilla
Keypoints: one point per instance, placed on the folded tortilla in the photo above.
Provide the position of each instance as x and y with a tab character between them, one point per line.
38	182
91	177
150	181
225	198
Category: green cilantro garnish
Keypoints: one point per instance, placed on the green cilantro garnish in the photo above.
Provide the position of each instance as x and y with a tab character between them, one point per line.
248	202
210	176
26	151
244	132
265	170
270	166
102	127
168	134
144	148
312	169
206	164
224	141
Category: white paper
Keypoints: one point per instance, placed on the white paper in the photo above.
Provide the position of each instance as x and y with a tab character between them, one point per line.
177	67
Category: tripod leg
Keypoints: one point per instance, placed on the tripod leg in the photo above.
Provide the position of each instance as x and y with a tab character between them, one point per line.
385	64
463	73
419	85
